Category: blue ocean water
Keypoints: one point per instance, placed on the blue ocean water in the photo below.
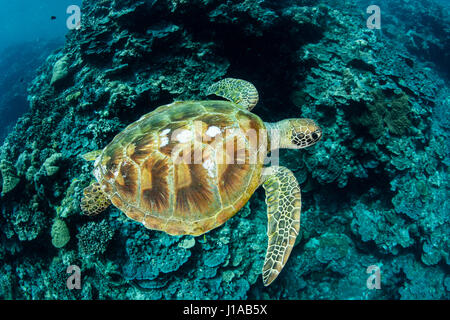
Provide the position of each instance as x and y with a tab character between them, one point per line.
374	76
28	34
30	21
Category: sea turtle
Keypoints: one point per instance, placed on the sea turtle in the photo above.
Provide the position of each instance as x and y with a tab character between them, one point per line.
187	167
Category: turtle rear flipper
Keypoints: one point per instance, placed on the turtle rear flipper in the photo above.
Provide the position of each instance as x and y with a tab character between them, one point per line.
283	201
94	201
239	91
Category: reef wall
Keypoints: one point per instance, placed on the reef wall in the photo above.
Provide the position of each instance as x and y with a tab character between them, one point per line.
374	189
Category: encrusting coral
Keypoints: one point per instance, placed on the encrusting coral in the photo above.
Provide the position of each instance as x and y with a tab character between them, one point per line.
374	192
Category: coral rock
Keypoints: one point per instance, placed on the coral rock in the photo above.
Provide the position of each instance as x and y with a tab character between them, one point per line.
60	233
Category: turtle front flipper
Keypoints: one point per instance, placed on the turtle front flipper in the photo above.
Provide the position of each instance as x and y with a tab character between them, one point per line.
283	201
239	91
95	200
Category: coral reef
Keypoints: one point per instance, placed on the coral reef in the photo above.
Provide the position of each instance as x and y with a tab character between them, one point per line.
60	233
374	190
60	70
94	237
9	176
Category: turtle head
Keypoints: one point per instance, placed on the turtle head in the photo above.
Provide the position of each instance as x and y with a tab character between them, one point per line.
298	133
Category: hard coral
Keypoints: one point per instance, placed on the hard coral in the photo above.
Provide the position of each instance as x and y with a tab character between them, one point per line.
374	189
9	177
94	237
385	112
60	233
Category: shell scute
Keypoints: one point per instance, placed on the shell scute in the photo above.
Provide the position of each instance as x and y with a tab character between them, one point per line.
190	110
141	148
126	181
218	106
155	192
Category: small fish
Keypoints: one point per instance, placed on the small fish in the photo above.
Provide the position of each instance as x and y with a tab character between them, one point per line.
52	17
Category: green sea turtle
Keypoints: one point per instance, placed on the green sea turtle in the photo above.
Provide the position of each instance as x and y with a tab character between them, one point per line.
187	167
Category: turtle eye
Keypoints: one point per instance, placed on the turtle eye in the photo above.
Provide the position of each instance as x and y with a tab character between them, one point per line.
316	135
